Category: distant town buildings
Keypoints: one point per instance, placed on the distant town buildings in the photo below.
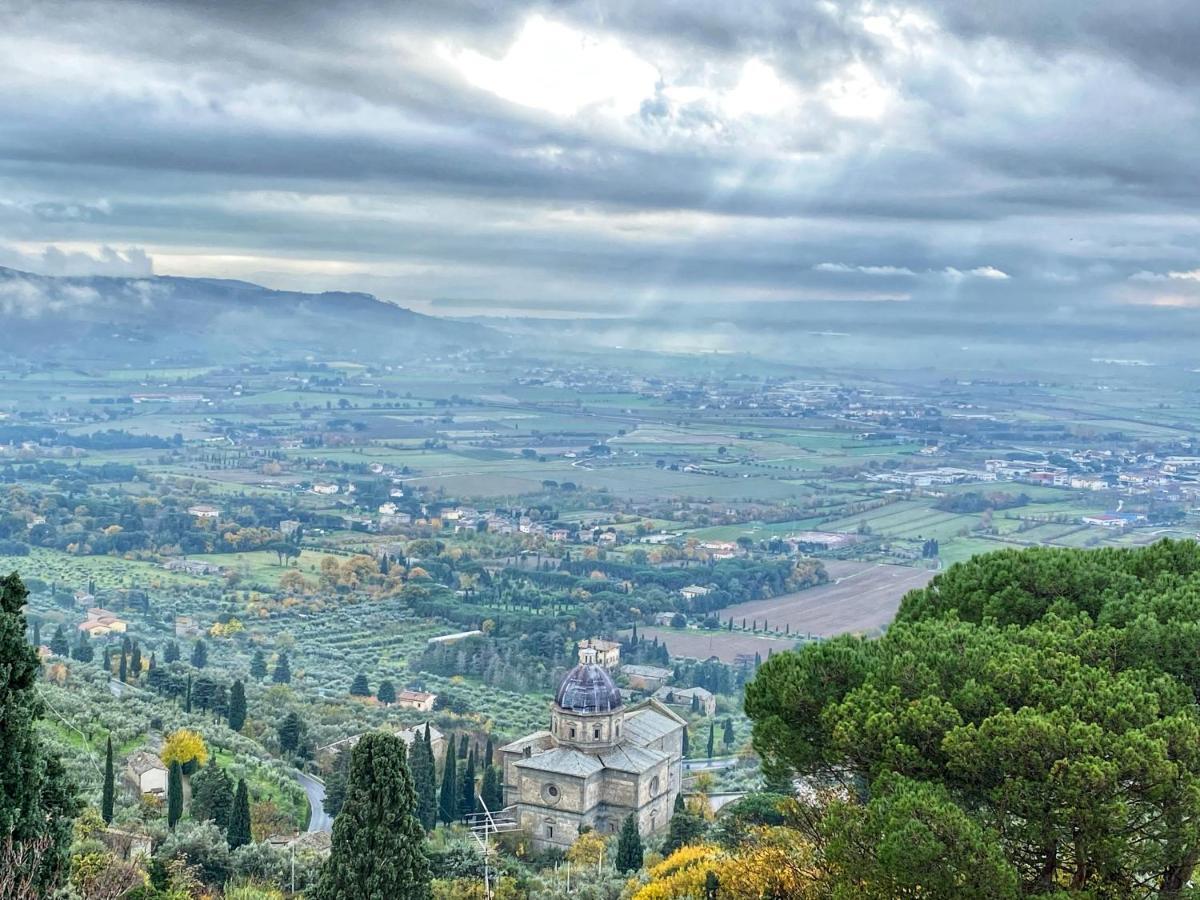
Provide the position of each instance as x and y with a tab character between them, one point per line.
100	622
605	653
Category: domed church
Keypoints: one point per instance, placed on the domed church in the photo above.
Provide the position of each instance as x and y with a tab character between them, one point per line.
599	762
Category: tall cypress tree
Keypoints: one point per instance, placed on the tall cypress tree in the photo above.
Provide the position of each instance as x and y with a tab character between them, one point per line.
237	706
488	752
37	633
258	665
200	654
377	839
122	670
359	687
174	794
83	649
135	661
462	746
466	804
58	644
712	736
187	697
490	790
212	795
424	775
629	846
107	792
239	819
448	798
283	670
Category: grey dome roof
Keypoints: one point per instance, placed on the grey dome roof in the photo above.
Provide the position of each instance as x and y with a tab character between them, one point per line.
588	688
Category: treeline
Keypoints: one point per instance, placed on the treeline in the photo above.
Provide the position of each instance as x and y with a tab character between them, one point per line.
977	502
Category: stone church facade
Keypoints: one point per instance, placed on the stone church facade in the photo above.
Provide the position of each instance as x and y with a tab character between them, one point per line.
599	762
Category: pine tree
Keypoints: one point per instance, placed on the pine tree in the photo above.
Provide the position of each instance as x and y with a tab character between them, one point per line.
290	731
283	671
174	795
122	670
135	661
386	693
108	790
359	687
212	795
466	805
424	774
58	643
237	706
377	839
712	735
238	834
200	654
629	847
448	798
258	665
83	649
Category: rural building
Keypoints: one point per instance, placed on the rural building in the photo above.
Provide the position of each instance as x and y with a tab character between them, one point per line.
146	774
324	488
204	511
84	598
416	700
820	540
692	591
186	627
646	678
599	763
682	697
288	527
192	567
100	622
608	653
667	619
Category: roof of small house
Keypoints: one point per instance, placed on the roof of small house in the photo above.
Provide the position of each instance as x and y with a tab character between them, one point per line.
144	761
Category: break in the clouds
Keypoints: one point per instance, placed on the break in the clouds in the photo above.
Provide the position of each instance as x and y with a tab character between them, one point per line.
581	155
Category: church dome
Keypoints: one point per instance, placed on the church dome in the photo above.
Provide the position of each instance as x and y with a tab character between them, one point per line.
588	688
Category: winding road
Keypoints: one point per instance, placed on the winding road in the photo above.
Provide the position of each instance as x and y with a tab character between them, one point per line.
315	789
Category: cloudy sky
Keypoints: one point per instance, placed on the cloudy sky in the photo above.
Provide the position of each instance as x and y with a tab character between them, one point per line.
599	156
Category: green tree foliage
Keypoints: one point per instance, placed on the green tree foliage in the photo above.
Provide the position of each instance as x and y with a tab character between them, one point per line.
629	846
108	789
1040	707
135	660
174	794
291	730
685	827
467	802
36	800
212	795
377	840
727	737
237	706
238	834
448	798
491	790
359	687
171	652
200	654
59	644
283	670
258	665
336	783
83	649
712	738
424	775
123	669
386	693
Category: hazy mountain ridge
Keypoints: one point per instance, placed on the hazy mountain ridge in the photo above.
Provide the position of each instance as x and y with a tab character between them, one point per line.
170	318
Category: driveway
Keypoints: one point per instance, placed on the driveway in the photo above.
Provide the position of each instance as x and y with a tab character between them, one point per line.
315	789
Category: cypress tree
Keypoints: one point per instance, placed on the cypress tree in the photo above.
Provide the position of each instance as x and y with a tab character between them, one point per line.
491	791
686	746
187	697
238	834
200	654
237	706
466	804
135	661
283	670
462	746
171	652
108	661
37	633
359	687
58	643
727	737
629	847
712	735
685	827
122	671
489	751
174	795
377	839
153	663
107	792
212	795
289	733
448	798
258	665
424	775
83	649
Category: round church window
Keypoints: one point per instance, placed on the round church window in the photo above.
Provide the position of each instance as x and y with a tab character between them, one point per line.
551	793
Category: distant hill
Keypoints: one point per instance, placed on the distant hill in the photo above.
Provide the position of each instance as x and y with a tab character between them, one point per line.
202	320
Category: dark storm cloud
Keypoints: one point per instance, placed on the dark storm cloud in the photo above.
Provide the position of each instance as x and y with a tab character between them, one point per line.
921	151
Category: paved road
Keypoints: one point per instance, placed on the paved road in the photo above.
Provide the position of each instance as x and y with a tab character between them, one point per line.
315	790
709	765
